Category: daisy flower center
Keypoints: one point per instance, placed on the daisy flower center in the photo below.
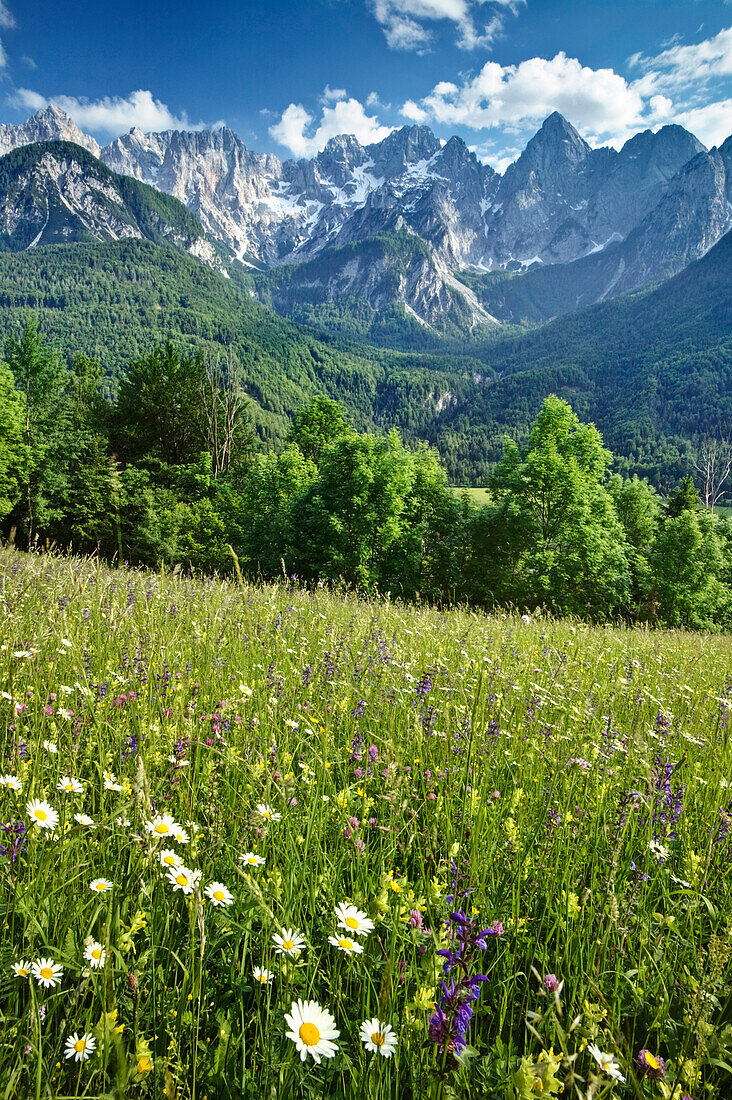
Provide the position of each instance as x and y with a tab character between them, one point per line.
266	814
80	1045
218	895
377	1039
182	880
161	828
170	860
46	972
288	946
346	944
309	1035
41	815
252	860
22	972
351	922
96	953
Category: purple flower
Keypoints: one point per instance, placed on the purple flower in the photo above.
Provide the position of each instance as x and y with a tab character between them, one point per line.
551	983
651	1065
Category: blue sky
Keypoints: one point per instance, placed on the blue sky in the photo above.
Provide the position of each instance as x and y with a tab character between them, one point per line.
287	76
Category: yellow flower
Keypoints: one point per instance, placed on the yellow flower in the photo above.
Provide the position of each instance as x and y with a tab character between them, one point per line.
425	999
144	1064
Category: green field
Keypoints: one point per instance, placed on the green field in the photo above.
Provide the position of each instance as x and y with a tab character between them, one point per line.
546	803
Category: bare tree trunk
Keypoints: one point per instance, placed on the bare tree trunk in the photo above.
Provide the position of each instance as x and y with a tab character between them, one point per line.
714	466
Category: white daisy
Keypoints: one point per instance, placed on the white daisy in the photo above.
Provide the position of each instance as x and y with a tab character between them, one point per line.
346	945
378	1038
80	1047
21	969
606	1062
100	885
264	812
289	943
84	819
180	835
183	879
262	975
311	1030
252	859
353	920
47	973
162	825
217	894
95	954
110	782
12	782
42	813
51	746
169	858
70	785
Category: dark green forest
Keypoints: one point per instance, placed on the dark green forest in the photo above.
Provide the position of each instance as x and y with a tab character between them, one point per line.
170	471
652	370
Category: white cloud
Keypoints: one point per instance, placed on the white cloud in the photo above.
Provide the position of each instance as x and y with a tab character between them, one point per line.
685	66
598	101
347	116
112	115
403	21
28	62
332	95
7	19
712	124
414	112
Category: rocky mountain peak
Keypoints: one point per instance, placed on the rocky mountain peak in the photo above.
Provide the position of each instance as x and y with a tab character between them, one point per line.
403	147
342	154
556	142
48	124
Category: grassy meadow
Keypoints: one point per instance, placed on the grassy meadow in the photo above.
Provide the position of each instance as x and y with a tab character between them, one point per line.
219	801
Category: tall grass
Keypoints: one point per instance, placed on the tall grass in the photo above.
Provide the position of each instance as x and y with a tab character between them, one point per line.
566	787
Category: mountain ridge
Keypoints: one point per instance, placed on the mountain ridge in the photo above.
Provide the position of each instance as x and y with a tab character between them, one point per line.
626	218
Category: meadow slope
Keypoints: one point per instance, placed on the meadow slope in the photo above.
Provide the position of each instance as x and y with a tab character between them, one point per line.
531	819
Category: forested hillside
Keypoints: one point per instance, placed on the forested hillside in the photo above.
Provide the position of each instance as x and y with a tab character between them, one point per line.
116	301
652	370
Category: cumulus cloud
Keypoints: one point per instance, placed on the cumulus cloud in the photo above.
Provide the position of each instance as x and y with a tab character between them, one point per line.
673	86
599	101
403	21
712	123
295	129
112	115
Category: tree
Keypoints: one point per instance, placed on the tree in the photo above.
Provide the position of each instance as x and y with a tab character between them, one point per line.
638	508
41	377
13	449
158	413
687	560
565	544
316	425
228	431
713	464
683	499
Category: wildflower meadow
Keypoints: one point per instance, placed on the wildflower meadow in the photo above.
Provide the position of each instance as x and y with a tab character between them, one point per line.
282	841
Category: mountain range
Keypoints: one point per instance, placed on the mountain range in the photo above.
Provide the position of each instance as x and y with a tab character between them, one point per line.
427	292
566	225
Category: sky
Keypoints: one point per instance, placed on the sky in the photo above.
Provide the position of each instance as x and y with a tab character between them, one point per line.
288	76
